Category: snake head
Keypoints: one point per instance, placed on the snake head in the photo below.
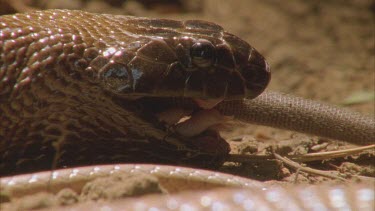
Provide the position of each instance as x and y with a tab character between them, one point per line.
194	59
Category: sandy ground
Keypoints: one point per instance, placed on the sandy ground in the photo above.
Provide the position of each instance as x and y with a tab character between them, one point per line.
317	50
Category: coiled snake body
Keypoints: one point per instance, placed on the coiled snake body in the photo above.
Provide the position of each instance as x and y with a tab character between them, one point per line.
78	88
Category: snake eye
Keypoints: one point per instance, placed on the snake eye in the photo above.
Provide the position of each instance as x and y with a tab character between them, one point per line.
202	53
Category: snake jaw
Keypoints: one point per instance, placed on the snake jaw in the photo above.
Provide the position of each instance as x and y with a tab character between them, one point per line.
193	123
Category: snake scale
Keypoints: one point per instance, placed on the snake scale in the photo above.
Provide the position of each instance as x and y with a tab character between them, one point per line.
78	88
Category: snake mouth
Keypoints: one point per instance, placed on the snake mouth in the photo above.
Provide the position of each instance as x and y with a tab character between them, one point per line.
196	139
195	120
187	117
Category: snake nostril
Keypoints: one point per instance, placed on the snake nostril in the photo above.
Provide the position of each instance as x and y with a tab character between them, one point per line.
257	74
255	58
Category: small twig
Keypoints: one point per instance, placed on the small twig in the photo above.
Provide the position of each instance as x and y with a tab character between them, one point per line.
330	154
298	171
297	167
291	160
300	158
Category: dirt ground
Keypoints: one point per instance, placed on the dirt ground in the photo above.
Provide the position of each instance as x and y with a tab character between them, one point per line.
322	50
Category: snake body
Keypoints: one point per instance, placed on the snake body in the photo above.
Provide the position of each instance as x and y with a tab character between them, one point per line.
217	191
73	86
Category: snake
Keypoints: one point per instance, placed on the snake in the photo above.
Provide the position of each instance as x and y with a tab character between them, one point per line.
78	88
